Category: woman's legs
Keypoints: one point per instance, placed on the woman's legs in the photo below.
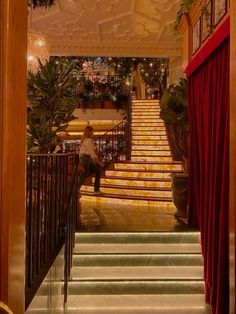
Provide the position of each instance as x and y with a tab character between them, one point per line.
89	168
96	169
85	172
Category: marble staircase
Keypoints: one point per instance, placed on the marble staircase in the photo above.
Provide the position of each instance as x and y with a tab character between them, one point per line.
144	180
137	272
132	273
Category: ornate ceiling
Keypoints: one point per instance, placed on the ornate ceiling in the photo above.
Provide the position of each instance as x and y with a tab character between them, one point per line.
109	27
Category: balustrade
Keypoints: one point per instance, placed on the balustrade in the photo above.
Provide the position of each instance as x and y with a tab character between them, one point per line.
51	205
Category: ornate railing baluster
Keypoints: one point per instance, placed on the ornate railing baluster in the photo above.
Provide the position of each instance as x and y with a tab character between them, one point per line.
114	144
51	197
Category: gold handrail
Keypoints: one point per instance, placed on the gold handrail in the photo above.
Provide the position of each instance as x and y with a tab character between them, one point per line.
5	308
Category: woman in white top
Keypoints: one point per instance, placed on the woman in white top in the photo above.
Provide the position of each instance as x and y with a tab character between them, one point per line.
89	160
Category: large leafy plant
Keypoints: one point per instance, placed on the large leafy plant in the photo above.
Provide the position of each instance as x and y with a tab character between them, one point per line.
51	102
174	112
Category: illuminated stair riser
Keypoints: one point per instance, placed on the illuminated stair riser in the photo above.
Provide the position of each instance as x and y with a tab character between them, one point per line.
145	116
144	101
157	125
161	204
150	158
149	130
119	191
152	135
151	147
137	174
151	112
147	166
154	130
146	107
135	182
157	158
150	120
149	142
149	137
151	153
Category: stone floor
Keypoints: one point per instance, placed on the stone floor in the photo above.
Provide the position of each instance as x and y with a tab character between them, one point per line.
114	217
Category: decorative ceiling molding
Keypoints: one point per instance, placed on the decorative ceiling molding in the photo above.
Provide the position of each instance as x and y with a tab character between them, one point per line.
110	27
67	49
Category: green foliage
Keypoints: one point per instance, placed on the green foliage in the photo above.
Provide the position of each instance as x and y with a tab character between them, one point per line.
51	103
174	112
185	6
154	72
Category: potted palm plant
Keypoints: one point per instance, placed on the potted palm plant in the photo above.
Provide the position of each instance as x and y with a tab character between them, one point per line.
51	102
174	112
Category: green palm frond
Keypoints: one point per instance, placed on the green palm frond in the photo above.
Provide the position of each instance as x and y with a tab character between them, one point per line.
51	102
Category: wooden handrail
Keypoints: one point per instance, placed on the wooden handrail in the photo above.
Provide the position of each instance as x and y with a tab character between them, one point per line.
112	129
115	144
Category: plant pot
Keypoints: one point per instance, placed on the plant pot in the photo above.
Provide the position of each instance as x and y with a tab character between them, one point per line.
180	193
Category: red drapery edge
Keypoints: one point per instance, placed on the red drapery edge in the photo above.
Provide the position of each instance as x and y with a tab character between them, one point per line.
211	45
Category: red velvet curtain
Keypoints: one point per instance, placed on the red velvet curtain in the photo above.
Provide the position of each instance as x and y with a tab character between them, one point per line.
209	171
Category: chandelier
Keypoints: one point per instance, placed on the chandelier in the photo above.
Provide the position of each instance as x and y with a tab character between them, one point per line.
38	48
41	3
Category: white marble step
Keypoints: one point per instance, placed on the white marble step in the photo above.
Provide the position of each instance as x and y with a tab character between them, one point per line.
140	248
138	273
166	237
125	304
137	304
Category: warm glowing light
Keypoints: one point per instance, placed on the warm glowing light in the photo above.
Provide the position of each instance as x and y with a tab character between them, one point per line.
37	49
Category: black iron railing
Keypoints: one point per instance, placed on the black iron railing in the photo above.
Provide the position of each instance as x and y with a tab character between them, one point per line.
115	144
48	186
70	225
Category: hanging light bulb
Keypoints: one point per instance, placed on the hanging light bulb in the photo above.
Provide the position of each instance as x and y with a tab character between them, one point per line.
37	49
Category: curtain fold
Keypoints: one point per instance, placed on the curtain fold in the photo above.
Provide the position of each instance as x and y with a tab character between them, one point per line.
209	171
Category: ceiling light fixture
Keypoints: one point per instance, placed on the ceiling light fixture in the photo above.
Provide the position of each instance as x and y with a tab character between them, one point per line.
38	48
41	3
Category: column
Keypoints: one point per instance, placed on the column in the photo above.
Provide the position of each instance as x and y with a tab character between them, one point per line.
13	46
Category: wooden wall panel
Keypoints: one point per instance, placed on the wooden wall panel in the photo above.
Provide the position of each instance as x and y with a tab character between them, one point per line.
232	151
13	38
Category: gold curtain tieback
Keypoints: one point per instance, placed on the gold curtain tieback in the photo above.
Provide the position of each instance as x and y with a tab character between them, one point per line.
5	307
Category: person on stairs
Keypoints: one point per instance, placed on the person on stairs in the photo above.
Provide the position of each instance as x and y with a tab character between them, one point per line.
89	160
